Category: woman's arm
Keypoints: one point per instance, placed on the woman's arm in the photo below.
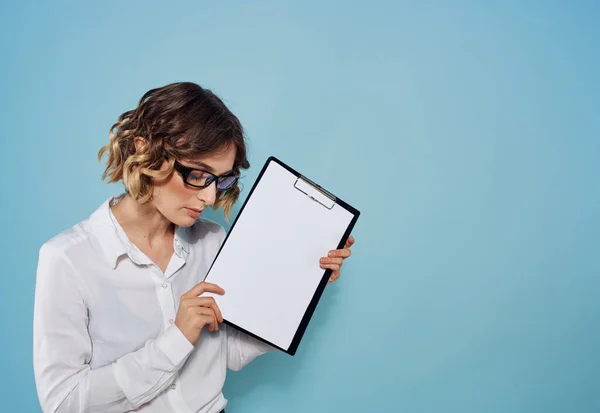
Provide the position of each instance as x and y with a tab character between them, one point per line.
62	351
242	349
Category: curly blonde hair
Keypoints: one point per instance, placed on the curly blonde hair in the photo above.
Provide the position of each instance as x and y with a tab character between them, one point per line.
177	121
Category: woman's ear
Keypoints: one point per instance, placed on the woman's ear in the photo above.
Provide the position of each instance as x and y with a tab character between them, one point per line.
140	144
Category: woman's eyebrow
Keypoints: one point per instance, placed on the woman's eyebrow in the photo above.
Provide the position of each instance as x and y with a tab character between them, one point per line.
202	165
207	167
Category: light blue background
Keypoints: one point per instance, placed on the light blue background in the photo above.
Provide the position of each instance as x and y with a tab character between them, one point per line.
466	132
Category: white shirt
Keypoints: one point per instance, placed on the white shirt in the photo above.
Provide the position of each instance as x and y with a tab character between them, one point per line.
104	338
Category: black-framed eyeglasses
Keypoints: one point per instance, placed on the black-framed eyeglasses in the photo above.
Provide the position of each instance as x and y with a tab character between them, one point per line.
202	179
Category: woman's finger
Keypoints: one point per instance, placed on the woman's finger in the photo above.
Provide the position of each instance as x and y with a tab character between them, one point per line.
333	267
205	302
338	261
334	276
209	315
206	317
345	253
201	288
349	242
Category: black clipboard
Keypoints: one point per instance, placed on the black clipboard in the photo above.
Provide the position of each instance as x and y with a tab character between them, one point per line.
279	178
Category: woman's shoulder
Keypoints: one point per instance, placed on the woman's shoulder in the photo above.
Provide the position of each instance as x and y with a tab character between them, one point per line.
68	239
81	233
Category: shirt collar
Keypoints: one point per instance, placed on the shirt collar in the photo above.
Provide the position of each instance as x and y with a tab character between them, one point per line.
109	240
131	250
181	242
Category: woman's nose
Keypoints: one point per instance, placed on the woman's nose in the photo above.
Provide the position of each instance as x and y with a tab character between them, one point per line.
208	194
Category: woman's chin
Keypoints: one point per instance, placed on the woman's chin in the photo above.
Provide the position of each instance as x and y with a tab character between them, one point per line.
189	222
184	221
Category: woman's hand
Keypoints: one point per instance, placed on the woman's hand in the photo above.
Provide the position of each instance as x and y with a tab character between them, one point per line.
196	312
336	258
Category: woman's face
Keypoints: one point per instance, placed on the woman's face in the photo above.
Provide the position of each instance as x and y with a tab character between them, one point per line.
182	204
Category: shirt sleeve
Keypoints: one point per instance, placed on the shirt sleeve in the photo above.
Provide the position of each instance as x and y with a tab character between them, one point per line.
62	350
242	349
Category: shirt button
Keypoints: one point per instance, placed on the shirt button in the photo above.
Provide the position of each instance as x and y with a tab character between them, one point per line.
173	386
165	285
171	321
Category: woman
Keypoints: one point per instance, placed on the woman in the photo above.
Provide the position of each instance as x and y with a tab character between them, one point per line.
119	320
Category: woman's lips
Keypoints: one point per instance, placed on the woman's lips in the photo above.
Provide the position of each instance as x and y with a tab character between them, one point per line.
194	213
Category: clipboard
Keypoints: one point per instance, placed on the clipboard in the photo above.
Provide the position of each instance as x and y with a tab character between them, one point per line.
268	264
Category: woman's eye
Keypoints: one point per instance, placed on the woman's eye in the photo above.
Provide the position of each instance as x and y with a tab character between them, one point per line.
198	177
195	175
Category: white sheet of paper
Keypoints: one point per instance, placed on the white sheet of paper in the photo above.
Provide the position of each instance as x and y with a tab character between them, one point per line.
269	266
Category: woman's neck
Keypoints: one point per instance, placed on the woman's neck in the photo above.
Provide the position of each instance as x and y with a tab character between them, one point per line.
143	223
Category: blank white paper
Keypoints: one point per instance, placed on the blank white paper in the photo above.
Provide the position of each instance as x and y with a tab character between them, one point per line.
269	265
